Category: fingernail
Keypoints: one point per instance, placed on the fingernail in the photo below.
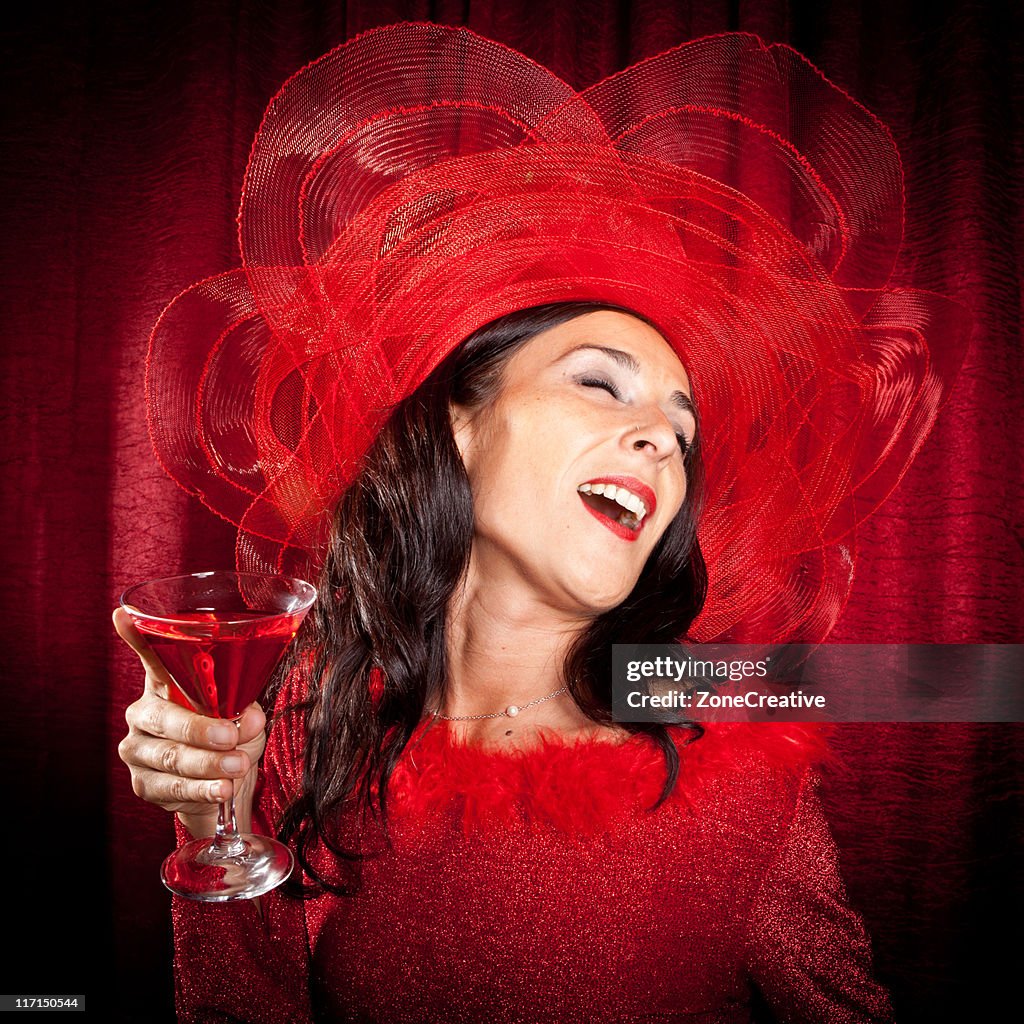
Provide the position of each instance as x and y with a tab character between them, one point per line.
223	734
218	791
231	763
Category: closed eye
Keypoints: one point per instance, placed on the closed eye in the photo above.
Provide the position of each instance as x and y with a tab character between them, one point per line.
597	382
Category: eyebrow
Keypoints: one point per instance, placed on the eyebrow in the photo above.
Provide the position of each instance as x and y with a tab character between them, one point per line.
628	362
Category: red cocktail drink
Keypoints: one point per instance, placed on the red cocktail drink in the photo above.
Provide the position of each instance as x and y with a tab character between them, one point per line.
220	635
221	660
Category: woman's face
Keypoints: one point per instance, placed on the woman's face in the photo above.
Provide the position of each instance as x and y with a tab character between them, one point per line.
598	404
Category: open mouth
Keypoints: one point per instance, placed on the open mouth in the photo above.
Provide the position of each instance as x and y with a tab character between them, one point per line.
617	506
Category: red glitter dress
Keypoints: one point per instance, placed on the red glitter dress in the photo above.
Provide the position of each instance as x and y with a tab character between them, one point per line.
534	886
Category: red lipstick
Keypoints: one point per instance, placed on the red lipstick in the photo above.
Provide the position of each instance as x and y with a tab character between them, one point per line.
635	486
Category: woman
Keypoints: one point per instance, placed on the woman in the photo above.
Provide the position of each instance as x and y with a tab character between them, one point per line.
483	841
534	417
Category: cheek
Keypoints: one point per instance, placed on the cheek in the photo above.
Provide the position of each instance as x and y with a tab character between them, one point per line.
682	491
503	480
675	499
534	447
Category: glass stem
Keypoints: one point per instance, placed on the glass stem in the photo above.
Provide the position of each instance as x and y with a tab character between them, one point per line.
227	841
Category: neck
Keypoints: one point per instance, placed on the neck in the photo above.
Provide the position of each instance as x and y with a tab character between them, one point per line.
505	646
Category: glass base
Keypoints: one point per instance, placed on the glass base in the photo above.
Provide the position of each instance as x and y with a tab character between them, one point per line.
215	871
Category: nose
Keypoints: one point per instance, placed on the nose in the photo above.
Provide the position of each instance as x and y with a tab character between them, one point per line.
655	435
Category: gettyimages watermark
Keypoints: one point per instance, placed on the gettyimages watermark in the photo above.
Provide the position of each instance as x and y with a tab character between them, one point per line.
827	682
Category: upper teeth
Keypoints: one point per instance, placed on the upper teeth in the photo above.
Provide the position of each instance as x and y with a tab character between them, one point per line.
627	499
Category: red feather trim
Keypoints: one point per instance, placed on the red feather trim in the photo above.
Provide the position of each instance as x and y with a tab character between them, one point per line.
583	786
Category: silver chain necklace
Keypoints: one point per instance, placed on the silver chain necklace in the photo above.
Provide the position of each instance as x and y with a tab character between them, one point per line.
510	712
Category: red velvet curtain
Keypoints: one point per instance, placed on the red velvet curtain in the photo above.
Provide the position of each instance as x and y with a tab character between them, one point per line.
127	128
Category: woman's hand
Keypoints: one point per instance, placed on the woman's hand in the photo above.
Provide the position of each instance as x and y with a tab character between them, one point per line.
183	761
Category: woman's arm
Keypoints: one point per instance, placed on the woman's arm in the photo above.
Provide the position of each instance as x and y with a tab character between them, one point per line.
244	961
249	961
808	951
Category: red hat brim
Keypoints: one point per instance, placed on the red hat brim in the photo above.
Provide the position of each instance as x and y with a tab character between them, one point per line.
420	181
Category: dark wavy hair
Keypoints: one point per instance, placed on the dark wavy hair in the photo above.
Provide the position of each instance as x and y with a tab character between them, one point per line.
400	546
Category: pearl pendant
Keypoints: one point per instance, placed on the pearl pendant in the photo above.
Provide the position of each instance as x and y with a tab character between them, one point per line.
512	711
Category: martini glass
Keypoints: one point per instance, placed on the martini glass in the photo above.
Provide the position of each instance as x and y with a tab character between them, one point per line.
220	636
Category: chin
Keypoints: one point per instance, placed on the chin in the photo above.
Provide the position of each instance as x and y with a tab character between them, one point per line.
605	594
597	600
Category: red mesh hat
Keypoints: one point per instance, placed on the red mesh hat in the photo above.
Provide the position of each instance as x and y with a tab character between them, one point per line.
420	181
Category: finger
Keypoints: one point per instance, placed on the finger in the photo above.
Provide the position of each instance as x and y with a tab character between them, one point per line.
253	723
179	794
158	717
177	759
129	633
